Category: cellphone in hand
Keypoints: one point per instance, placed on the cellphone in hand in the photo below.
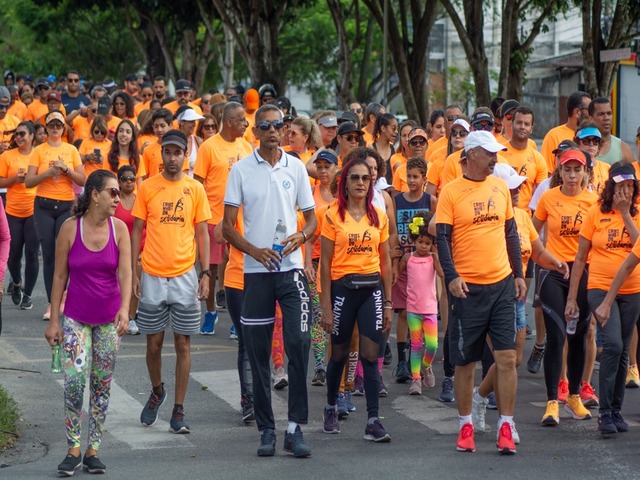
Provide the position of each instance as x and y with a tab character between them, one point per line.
96	152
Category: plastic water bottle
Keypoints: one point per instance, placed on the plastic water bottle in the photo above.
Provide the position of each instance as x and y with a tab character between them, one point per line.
56	359
278	237
573	323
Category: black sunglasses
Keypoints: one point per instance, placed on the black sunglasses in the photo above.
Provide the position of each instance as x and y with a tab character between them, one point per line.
128	178
416	142
114	192
459	133
266	125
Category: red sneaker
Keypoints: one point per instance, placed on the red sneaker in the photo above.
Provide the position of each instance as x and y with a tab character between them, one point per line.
563	391
506	445
465	439
588	396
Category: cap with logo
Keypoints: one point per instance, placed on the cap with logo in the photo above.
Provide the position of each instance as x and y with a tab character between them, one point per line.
104	105
482	117
54	96
418	132
621	171
183	85
328	121
327	156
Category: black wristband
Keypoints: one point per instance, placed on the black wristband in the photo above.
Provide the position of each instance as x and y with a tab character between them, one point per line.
206	272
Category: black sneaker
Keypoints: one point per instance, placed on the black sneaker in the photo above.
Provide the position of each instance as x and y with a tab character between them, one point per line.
16	294
221	300
319	378
402	373
388	356
248	414
605	425
10	287
294	443
69	465
149	413
619	422
447	395
375	432
267	446
534	365
26	303
93	465
178	423
529	331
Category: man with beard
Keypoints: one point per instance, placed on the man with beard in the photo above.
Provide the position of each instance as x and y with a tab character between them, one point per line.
183	97
73	99
612	149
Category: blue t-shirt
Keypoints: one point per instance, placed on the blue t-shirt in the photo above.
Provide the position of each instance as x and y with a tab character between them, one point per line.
405	211
74	103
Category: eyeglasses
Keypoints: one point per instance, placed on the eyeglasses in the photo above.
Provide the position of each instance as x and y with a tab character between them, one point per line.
43	87
417	142
73	80
209	126
356	110
354	177
4	107
487	127
459	133
590	141
114	192
99	132
119	104
128	178
21	134
351	138
266	125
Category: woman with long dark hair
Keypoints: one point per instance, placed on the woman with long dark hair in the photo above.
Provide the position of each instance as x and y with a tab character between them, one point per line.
122	106
124	148
95	148
385	132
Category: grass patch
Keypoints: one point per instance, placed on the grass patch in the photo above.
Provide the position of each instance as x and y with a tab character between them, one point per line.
8	417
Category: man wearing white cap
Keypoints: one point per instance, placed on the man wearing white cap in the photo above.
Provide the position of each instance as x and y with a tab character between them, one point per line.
480	254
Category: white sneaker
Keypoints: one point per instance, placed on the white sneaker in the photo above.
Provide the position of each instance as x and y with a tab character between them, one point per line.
280	378
478	410
428	378
133	328
514	432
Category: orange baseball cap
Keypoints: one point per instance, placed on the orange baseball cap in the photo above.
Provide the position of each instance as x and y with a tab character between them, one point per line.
252	99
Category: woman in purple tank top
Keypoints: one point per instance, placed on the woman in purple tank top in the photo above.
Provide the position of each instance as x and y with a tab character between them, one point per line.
93	254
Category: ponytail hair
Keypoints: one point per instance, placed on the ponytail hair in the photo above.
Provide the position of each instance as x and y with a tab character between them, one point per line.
96	181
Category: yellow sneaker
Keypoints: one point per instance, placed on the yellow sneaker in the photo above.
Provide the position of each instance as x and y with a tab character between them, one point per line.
551	415
633	377
576	409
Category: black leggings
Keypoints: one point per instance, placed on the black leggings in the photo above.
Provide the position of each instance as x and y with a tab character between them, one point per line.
553	296
23	236
364	306
49	215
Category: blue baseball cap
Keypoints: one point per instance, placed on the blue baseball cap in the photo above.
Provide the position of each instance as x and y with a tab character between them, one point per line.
327	156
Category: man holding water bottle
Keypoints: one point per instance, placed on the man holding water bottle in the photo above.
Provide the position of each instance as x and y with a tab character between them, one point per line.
271	186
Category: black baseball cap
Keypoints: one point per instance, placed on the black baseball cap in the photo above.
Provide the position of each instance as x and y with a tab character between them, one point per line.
565	145
104	105
183	86
507	106
349	127
175	137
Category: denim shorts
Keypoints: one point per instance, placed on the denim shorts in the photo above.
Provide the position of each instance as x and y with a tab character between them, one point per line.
521	317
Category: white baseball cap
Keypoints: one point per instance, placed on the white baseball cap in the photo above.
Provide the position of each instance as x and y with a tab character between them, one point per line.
507	173
483	139
189	115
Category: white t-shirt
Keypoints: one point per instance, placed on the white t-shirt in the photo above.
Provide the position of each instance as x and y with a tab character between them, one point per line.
268	195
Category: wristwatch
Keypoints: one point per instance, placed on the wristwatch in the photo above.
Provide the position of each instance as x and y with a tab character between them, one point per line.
206	272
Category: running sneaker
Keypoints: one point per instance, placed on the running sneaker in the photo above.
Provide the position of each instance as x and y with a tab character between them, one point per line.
588	396
534	364
343	411
447	394
606	426
280	378
16	294
465	439
576	409
233	335
248	415
563	391
209	323
319	378
221	300
551	416
506	445
69	465
416	387
619	421
149	413
331	423
382	391
633	377
375	432
93	464
177	423
529	331
358	386
267	446
10	287
47	315
402	373
428	378
514	432
26	303
478	410
491	398
294	443
388	355
133	328
347	400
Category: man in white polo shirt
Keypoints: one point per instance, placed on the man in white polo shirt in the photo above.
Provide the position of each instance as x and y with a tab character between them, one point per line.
271	186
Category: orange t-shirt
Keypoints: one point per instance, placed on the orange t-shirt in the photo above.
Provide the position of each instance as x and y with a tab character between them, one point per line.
528	163
477	212
18	109
8	123
151	161
368	138
610	246
551	141
60	187
356	244
234	271
113	122
174	106
138	107
148	138
88	146
526	233
434	172
321	208
400	179
81	128
396	160
215	158
452	168
433	146
171	210
248	133
564	216
599	177
37	109
19	198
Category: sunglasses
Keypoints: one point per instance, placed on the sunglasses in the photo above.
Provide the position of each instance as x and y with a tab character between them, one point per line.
73	80
354	177
21	134
4	107
351	138
209	126
417	142
487	127
459	133
114	192
590	141
99	132
266	125
55	125
127	178
356	110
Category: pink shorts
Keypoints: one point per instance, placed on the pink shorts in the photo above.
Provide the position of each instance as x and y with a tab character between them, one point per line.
399	292
216	250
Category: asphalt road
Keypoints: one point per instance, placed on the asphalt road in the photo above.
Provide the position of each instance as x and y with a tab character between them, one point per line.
423	430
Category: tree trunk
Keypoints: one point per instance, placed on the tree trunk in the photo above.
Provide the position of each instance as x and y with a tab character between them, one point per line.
363	92
228	63
344	93
508	15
